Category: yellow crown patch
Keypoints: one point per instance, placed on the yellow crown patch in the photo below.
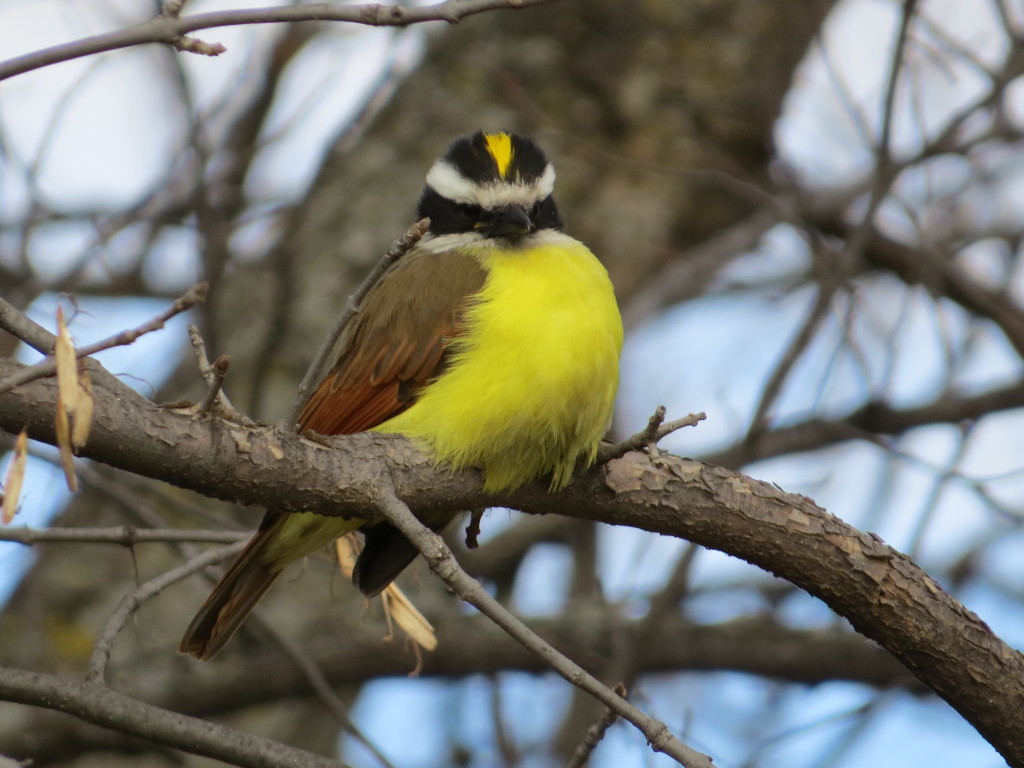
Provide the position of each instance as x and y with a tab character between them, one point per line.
500	147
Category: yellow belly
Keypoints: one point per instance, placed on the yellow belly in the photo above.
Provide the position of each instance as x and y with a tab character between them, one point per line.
531	385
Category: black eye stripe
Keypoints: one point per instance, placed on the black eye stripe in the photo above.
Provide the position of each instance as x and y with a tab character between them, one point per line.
448	217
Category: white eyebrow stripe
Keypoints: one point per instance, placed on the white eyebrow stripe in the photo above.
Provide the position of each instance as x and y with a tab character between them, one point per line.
448	182
546	182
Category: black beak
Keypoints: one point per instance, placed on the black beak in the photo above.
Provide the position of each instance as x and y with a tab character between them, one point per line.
512	222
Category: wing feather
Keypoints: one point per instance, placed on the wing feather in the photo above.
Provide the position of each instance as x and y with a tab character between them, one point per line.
396	343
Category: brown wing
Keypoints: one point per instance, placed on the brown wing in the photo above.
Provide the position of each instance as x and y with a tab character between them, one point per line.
395	343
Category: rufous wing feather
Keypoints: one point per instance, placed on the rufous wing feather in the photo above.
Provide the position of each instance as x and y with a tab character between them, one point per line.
396	342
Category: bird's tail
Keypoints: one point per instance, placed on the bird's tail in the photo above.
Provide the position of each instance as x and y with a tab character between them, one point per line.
232	599
281	540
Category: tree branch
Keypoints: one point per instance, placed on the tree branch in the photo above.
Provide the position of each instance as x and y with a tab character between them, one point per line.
171	29
125	535
97	704
870	422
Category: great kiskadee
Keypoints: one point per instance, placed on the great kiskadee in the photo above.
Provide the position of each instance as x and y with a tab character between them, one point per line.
494	343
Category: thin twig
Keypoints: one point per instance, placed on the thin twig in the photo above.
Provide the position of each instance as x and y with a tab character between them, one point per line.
215	381
19	325
210	376
595	733
124	535
650	435
397	250
48	367
219	368
443	563
885	169
794	352
316	679
131	602
170	29
173	8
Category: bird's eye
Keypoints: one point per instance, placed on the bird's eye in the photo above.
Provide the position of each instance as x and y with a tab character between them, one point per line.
470	210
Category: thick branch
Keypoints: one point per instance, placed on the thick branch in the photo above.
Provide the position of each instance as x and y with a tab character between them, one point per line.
472	645
97	704
880	591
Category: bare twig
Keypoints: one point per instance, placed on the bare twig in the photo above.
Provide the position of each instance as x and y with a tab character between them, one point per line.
884	172
595	733
655	430
170	29
443	563
173	8
323	689
397	250
19	325
187	44
48	367
220	370
131	602
797	347
214	380
124	535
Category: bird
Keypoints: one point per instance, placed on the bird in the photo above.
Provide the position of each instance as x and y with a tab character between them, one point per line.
494	343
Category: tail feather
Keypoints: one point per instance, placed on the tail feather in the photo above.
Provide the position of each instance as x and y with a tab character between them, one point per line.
227	607
281	540
386	553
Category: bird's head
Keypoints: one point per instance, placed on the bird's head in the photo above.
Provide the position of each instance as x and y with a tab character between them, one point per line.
491	186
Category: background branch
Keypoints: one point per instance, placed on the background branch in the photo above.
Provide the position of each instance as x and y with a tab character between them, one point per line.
170	29
97	704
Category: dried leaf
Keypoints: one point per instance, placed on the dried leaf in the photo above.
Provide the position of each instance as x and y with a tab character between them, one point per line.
63	433
348	550
67	365
15	476
408	618
67	398
82	419
398	606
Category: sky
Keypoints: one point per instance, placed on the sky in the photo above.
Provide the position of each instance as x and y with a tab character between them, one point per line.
109	149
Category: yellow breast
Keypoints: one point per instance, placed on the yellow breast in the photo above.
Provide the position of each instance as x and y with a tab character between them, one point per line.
531	384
